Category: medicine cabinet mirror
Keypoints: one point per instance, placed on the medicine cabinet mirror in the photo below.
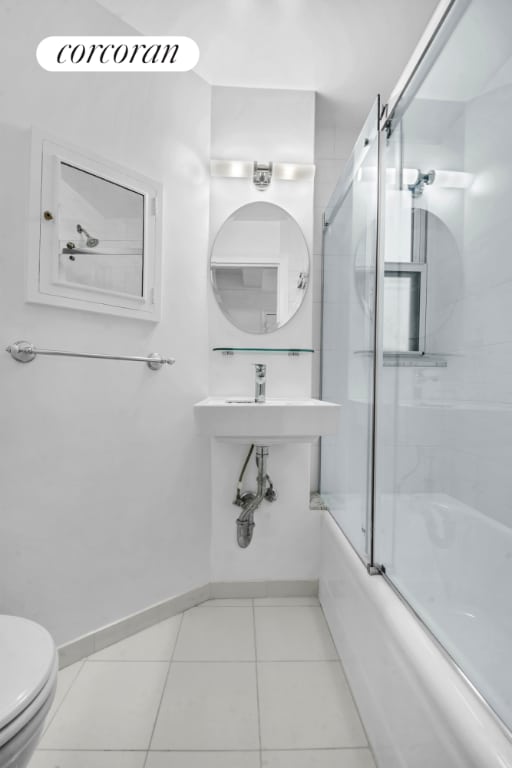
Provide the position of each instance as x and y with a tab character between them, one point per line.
259	267
96	234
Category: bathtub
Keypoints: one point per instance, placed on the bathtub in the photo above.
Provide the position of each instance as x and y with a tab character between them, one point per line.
418	709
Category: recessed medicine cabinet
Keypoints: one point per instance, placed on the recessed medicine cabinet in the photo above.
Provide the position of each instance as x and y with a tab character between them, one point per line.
95	241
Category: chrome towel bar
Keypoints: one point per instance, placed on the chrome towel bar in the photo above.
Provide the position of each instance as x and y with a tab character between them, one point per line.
25	352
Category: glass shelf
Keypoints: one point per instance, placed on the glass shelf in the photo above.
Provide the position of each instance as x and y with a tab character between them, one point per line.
408	359
293	352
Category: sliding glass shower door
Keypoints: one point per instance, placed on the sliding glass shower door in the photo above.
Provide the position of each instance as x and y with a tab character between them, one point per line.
348	332
419	475
444	447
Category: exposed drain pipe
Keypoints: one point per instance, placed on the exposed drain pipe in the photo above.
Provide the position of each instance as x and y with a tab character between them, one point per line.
250	501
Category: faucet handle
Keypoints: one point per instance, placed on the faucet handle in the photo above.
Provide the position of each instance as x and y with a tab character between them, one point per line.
261	369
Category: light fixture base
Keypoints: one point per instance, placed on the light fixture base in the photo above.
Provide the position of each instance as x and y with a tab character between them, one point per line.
262	175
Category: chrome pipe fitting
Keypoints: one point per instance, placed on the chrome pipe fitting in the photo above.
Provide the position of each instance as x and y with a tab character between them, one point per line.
250	501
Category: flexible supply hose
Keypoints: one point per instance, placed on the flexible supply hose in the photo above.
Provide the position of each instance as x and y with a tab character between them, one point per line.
239	484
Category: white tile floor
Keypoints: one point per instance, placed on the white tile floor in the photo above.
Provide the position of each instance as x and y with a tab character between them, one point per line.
229	684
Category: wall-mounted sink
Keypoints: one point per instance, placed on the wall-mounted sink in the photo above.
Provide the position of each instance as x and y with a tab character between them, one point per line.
241	420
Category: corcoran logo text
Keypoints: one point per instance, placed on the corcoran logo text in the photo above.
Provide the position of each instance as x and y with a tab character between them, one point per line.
117	54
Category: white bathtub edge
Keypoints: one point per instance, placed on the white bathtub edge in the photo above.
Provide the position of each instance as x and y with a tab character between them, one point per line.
418	710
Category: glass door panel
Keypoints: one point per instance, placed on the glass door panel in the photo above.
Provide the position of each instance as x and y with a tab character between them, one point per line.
348	339
444	448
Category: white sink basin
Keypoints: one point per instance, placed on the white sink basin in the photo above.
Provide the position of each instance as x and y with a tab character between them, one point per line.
241	420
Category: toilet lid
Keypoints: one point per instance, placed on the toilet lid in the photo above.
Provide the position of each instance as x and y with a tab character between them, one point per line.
27	654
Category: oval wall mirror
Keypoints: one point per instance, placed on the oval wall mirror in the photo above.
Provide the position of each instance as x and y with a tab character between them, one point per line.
259	267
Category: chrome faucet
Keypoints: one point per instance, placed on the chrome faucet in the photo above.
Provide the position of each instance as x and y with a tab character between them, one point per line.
261	380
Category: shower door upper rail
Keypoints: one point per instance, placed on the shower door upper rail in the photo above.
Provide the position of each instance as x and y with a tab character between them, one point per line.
438	30
25	352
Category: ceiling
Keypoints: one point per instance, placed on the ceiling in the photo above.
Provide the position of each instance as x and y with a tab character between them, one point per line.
346	50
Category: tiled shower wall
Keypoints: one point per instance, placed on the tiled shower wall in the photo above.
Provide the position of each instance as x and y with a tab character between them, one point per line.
334	140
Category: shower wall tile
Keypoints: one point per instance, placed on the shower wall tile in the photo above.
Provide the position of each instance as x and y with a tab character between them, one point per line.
315	379
317	323
324	142
315	468
329	166
316	281
329	170
317	234
344	141
457	420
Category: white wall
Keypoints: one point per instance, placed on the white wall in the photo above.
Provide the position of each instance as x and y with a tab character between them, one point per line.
104	487
278	125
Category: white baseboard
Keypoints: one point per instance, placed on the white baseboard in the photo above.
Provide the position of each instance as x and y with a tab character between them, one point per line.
118	630
84	646
297	588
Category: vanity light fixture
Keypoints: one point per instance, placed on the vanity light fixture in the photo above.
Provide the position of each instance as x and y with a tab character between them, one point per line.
262	175
262	172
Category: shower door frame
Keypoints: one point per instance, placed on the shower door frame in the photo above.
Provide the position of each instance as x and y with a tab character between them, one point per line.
342	189
444	19
447	15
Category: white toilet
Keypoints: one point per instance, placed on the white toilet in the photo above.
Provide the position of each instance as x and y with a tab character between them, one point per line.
28	678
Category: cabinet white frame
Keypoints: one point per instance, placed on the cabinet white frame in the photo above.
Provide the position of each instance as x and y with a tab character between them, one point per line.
43	285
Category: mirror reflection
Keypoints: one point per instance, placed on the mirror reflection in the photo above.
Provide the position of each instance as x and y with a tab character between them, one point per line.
260	267
421	270
101	232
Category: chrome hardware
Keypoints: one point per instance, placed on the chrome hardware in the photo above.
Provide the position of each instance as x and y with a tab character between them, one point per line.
302	282
262	175
421	180
250	501
22	351
91	242
261	380
270	493
25	352
375	570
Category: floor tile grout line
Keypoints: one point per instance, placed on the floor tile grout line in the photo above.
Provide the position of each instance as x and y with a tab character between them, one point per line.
213	661
163	690
255	605
50	721
257	685
81	749
254	660
299	661
171	751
